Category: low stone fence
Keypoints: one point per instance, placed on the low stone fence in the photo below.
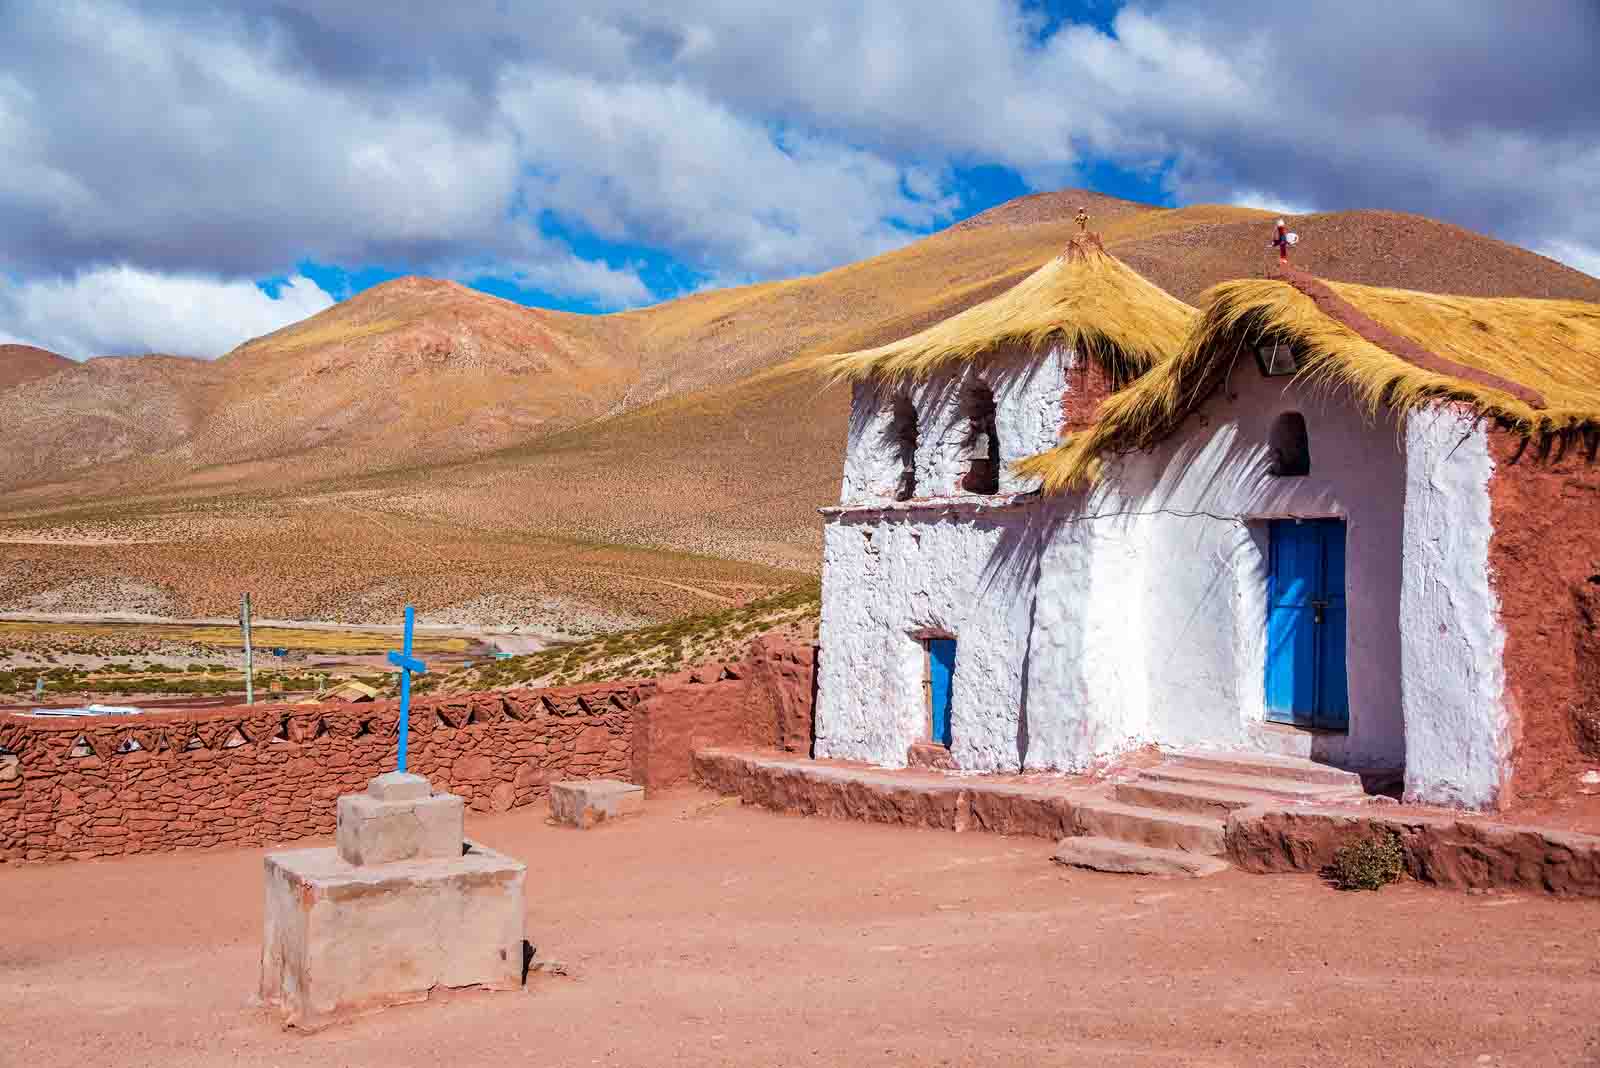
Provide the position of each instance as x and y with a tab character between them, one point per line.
1464	852
106	785
79	787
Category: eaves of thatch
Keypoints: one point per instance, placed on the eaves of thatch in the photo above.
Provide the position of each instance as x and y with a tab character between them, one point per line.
1084	299
1530	365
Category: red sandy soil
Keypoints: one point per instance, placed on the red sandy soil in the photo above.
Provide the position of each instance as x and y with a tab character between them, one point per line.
706	933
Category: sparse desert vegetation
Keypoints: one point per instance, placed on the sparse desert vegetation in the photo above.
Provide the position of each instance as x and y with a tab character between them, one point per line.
115	661
646	651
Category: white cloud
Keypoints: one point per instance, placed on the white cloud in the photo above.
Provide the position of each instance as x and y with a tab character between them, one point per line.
1585	258
1257	198
120	310
534	261
193	141
667	166
748	141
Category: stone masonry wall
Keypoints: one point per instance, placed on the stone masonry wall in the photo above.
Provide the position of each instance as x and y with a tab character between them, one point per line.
103	786
73	788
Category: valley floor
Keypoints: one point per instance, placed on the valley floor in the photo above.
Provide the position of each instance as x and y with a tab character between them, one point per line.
707	933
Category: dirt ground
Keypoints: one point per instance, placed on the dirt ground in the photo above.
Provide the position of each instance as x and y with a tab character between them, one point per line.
707	933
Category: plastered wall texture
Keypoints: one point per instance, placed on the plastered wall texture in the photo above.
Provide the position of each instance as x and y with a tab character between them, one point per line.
1028	412
271	773
944	563
1136	613
1151	618
892	577
1544	562
1457	726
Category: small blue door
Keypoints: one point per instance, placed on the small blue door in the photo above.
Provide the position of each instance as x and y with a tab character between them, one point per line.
1306	682
941	672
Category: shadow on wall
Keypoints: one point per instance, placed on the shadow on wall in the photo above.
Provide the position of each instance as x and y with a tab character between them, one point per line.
1187	519
1012	570
967	423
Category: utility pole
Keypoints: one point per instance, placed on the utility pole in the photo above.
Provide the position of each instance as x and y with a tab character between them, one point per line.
249	655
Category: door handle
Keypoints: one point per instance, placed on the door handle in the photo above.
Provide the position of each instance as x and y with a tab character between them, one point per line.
1317	607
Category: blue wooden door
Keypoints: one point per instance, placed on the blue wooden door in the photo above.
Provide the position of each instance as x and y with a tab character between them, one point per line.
941	672
1306	682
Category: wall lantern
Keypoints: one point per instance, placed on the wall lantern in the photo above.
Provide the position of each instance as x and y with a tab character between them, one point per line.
1276	359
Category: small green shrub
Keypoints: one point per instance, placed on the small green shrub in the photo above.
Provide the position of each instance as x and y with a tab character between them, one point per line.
1372	861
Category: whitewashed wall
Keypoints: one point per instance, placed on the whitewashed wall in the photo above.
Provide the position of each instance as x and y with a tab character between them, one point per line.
890	576
1028	394
1458	738
1151	619
1137	613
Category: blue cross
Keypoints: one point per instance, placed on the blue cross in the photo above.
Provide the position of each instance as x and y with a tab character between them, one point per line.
407	664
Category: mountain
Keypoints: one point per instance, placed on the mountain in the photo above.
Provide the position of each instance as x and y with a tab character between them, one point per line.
426	442
24	363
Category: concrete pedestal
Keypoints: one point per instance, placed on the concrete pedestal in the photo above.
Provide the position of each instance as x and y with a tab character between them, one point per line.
399	818
586	802
344	938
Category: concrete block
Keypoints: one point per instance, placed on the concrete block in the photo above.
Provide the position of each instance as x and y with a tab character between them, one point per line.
399	786
342	940
585	802
374	831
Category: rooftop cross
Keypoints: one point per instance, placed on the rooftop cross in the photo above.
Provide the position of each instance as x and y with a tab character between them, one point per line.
407	664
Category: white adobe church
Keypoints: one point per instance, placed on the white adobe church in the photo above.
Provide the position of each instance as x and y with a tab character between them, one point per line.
1330	520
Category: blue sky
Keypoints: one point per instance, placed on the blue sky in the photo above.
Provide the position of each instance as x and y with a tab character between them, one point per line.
181	177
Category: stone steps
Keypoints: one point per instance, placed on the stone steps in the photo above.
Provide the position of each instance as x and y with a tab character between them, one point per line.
1170	820
1264	786
1159	828
1105	854
1266	765
1185	797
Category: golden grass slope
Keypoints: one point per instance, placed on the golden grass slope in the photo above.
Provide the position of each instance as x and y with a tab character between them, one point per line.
1085	299
1549	346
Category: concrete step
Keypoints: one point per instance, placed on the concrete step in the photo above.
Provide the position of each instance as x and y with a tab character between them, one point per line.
1267	765
1105	854
1186	797
1265	786
1160	828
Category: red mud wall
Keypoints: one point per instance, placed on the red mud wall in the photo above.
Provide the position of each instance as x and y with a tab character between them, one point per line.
1544	555
1088	385
763	701
270	773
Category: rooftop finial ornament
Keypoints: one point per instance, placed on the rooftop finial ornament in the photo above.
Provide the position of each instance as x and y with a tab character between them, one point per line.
1082	219
1283	241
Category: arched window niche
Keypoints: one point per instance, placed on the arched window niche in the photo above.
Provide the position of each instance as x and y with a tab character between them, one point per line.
982	446
1291	447
903	434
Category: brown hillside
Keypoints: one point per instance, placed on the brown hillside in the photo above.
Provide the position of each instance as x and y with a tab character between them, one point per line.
75	428
24	363
525	458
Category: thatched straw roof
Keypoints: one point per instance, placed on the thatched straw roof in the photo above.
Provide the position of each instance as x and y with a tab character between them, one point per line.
1532	365
1085	299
